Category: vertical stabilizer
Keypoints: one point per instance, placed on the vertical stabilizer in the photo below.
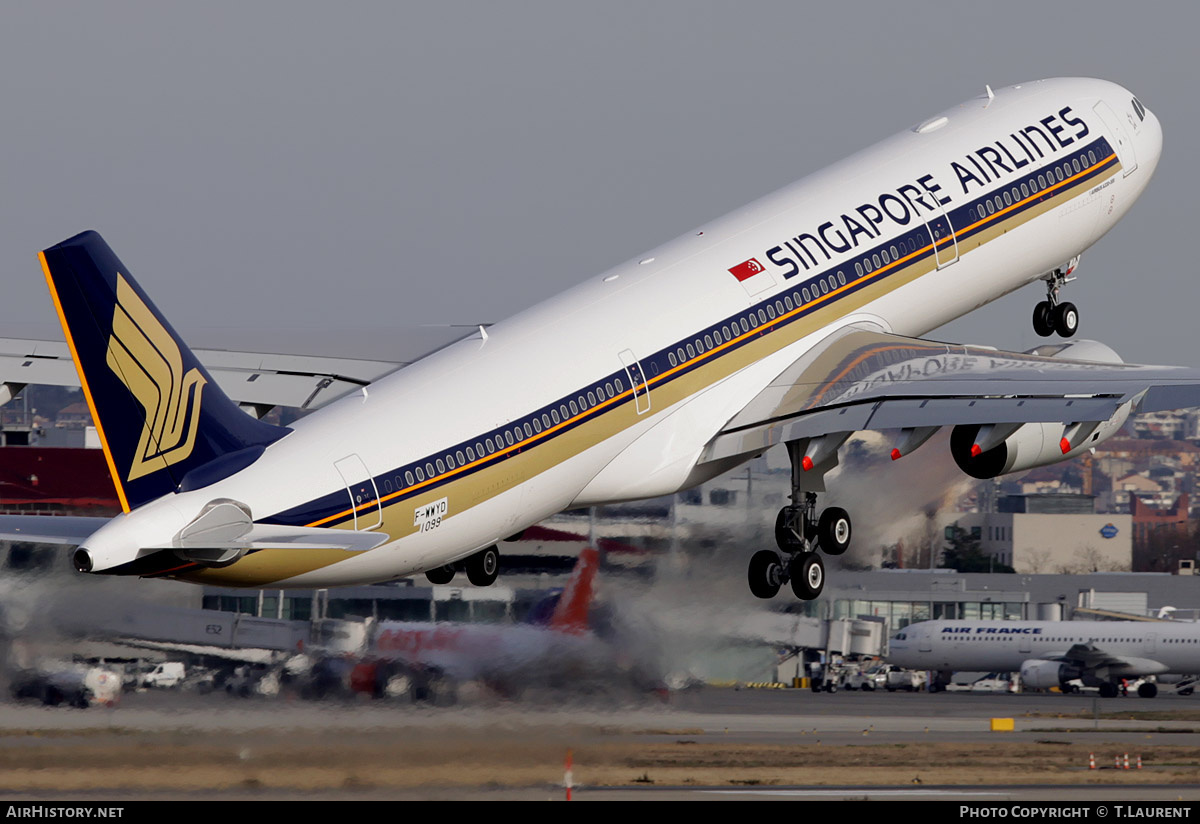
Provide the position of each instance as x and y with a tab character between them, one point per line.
164	423
571	613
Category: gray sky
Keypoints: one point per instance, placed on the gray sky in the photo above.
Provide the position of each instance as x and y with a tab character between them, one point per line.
352	165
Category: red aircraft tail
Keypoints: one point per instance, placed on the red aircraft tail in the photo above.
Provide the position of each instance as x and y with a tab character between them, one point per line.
571	613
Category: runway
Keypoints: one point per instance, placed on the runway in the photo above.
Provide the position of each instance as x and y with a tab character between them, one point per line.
715	744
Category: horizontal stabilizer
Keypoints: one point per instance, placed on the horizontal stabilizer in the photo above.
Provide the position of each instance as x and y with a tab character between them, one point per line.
274	536
208	548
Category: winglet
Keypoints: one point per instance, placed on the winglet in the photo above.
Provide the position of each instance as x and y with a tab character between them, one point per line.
159	414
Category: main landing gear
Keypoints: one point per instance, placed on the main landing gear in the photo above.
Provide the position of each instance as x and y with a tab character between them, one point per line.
482	569
799	532
1050	316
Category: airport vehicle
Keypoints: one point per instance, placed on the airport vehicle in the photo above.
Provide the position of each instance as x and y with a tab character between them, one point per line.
793	320
167	674
76	685
871	679
1053	653
899	678
986	682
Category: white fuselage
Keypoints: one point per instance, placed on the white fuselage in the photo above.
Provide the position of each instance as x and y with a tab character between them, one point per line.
1151	647
611	390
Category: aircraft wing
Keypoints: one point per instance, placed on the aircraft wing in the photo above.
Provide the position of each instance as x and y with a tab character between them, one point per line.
68	530
251	378
1090	659
858	379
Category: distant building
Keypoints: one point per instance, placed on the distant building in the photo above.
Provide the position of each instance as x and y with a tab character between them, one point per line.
1038	534
74	416
1148	517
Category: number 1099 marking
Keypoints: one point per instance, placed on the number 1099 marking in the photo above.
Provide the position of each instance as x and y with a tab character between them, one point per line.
429	517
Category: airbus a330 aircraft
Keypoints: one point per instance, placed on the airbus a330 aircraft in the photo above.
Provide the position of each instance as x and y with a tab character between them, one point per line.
1052	653
792	320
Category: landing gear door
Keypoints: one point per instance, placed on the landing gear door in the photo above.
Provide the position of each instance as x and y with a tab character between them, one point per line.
637	381
1117	131
364	495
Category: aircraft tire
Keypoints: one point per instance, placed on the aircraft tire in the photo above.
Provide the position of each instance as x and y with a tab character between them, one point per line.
441	575
1066	319
808	575
1043	319
483	567
833	531
1108	690
765	574
1147	690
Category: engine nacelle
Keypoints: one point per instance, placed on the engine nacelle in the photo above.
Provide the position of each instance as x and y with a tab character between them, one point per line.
1046	674
1039	444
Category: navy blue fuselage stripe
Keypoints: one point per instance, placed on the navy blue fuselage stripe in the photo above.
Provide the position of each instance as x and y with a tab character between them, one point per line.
1095	159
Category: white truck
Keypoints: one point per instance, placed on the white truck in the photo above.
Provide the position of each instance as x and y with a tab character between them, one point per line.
902	679
165	675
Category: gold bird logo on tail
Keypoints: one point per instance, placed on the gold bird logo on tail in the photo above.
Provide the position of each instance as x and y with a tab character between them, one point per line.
144	356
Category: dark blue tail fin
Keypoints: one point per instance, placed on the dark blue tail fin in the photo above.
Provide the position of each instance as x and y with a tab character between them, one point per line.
163	421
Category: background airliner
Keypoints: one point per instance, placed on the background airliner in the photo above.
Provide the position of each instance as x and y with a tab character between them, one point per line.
554	645
1052	653
791	320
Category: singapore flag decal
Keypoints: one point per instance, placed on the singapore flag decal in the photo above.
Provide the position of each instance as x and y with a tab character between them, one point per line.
745	271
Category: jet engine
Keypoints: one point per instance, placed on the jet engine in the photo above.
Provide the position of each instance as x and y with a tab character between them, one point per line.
1046	674
986	451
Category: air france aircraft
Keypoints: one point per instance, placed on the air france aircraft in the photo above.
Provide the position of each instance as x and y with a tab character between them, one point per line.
793	320
1052	653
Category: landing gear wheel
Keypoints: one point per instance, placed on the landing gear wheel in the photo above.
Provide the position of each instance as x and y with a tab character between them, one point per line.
765	574
1147	690
785	533
808	575
441	575
483	567
1066	319
1043	319
833	531
1108	690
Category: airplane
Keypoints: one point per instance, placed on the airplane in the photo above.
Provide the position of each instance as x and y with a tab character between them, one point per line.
425	659
1053	653
793	320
